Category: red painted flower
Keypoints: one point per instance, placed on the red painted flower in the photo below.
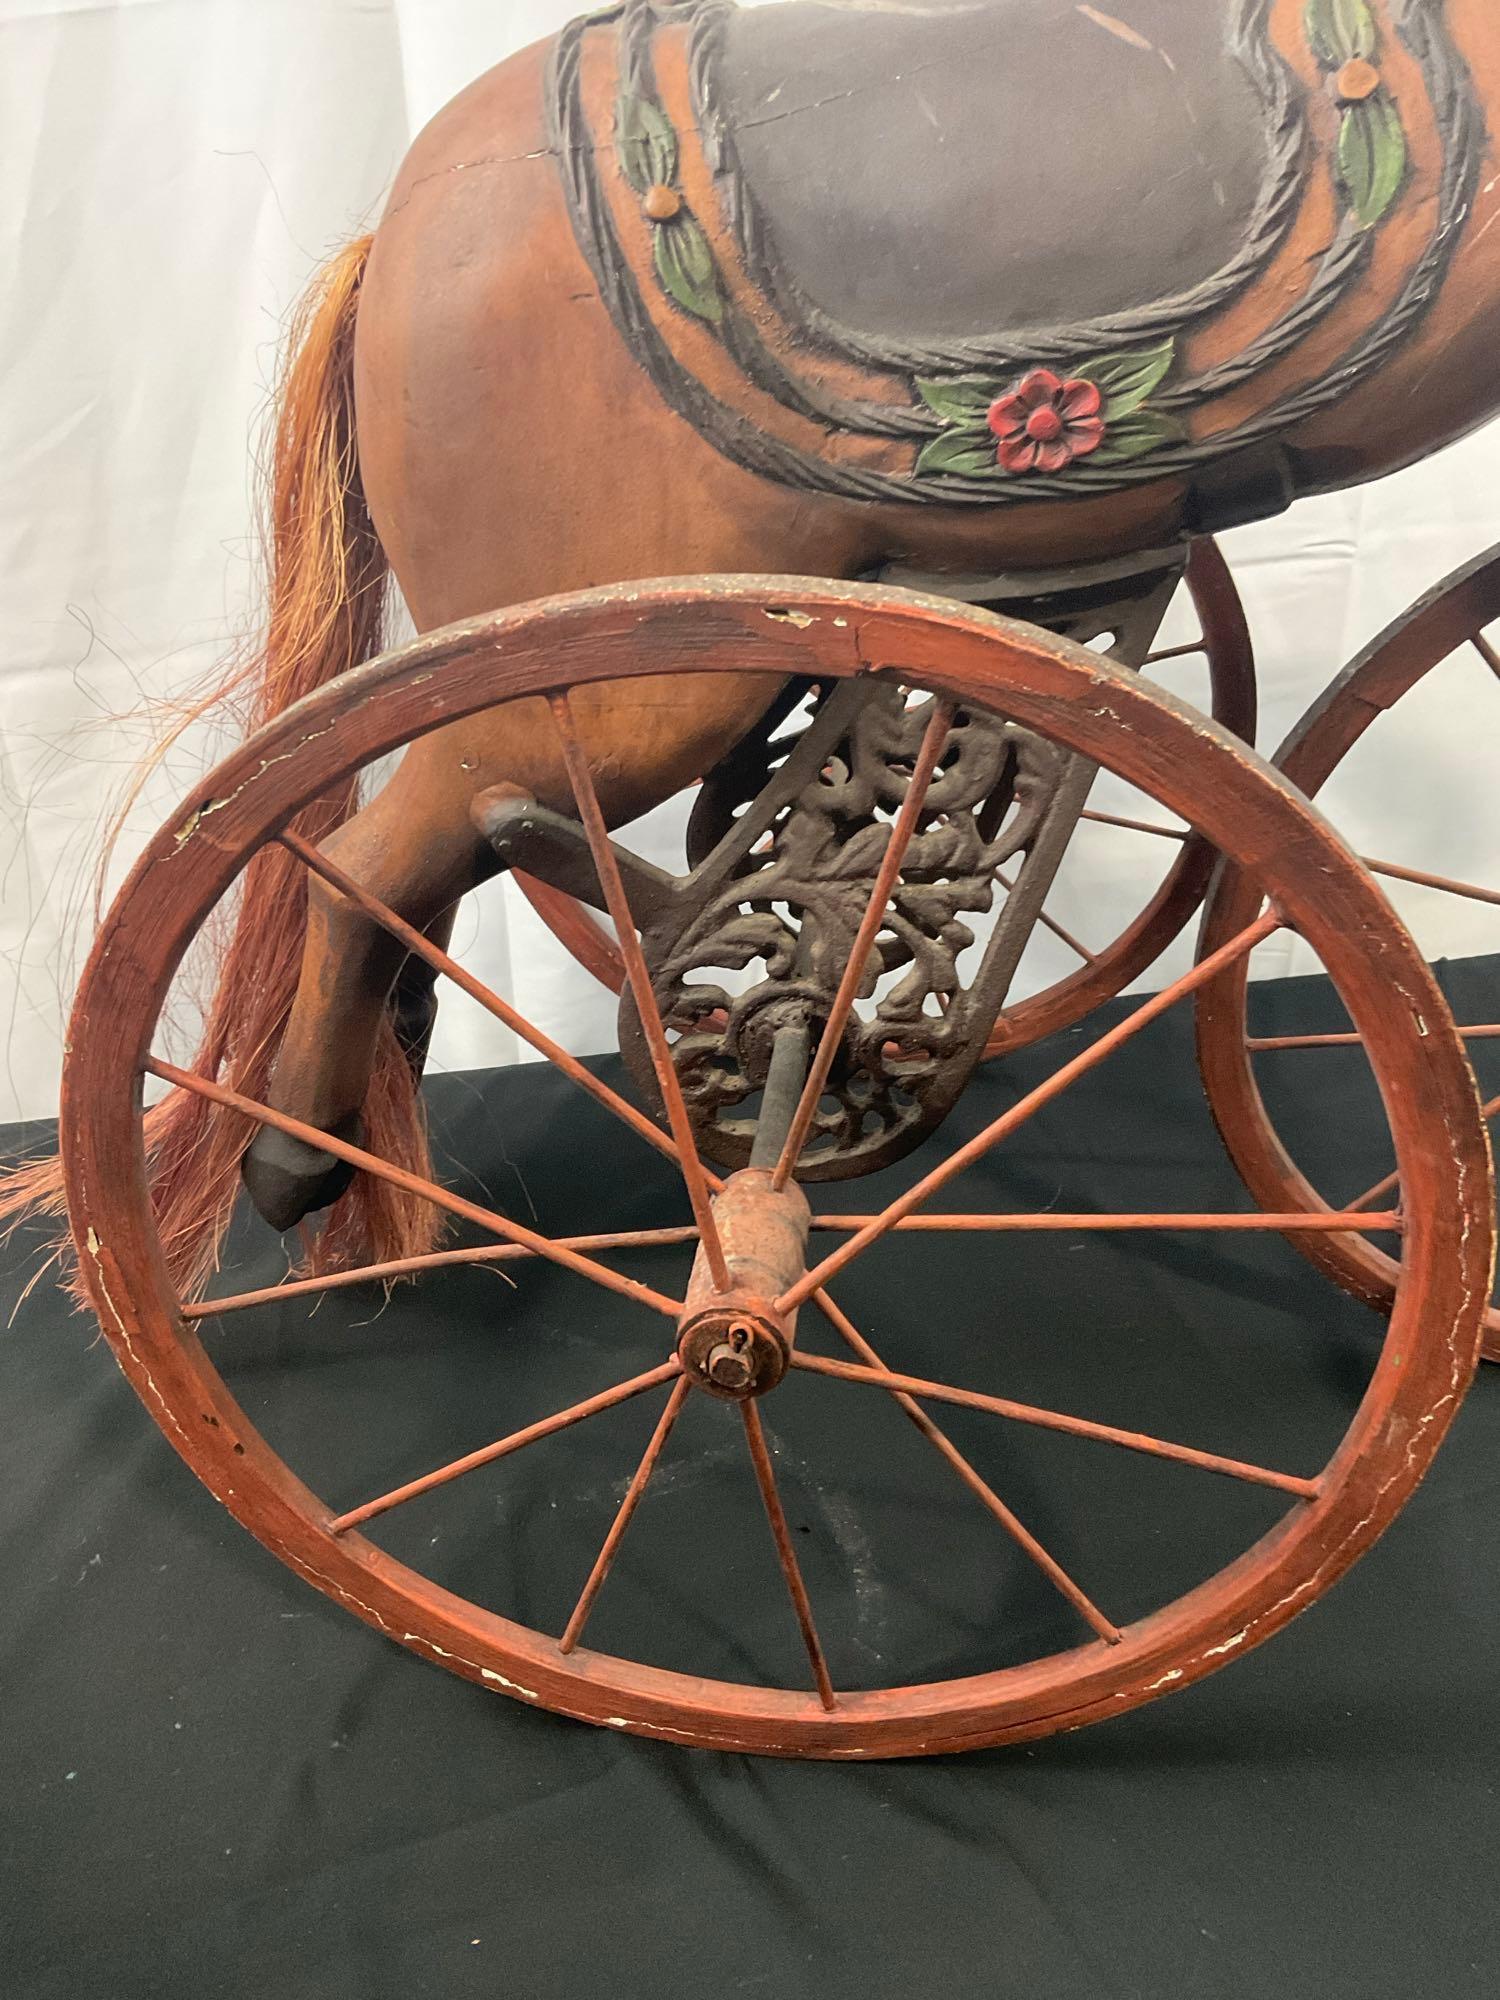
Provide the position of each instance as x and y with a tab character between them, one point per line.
1043	424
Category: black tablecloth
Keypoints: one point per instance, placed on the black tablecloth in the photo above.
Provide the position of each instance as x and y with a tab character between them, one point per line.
217	1784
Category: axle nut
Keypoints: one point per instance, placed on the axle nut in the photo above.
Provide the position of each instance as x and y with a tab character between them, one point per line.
730	1367
733	1353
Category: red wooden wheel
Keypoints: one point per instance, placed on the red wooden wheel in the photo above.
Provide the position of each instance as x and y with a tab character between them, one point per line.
945	658
1449	620
1225	646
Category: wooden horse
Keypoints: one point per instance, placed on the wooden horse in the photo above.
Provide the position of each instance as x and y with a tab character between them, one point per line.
820	289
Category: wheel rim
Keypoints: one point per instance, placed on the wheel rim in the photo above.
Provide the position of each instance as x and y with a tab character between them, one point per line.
1226	646
1047	684
1449	618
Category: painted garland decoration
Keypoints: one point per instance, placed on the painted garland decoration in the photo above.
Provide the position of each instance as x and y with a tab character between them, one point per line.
647	145
1044	423
1026	427
1372	156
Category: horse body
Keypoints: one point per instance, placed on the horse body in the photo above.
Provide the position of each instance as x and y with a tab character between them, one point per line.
824	288
511	444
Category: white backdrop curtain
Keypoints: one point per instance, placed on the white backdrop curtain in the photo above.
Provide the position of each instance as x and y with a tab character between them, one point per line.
174	171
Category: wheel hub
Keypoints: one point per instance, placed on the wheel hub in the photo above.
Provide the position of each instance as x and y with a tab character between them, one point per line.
736	1343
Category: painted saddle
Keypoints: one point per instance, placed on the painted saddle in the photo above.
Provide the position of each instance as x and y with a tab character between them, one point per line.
1016	250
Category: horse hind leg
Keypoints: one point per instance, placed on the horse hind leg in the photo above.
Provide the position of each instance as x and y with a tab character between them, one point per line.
417	848
356	981
289	1179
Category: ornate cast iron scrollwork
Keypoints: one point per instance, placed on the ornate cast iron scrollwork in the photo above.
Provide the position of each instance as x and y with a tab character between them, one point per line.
784	843
780	892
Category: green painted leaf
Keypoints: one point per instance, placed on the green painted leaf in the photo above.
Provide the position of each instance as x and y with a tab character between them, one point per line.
1340	30
959	398
1372	157
647	143
1134	436
968	450
685	265
1128	379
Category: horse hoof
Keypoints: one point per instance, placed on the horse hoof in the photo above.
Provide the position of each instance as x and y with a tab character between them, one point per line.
414	1016
288	1179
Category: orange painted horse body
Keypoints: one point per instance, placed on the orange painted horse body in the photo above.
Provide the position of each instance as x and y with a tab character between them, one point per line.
687	290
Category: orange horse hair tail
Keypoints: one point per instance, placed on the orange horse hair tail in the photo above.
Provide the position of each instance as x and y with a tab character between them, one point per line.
326	613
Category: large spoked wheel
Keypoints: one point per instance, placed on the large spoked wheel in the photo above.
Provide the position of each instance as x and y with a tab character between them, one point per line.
1102	971
1384	681
727	1330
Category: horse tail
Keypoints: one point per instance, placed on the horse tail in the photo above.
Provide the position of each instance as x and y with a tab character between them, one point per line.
326	597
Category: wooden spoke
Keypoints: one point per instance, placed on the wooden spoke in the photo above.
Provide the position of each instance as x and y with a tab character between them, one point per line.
1056	1220
1380	1189
1136	825
406	1267
1056	1420
1007	883
1472	891
1392	1180
1010	1121
983	1492
422	947
765	1475
503	1447
576	927
1487	653
612	883
1260	1044
934	741
624	1515
371	1163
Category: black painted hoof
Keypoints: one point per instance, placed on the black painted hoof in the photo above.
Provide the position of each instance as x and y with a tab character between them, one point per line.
287	1179
414	1016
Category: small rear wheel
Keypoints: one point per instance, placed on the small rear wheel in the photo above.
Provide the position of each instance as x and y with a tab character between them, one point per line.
1335	752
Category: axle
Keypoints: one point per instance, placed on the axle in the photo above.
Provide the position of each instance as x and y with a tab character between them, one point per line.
735	1344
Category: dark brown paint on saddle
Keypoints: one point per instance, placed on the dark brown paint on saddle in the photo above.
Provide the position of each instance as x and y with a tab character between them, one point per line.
938	162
